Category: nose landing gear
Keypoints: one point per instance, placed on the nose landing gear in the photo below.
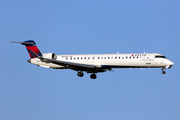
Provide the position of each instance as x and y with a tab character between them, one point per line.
163	72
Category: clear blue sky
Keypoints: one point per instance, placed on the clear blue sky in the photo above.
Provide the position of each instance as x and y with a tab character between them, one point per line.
28	92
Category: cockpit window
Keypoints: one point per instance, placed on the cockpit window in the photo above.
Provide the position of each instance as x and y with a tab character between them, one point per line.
159	56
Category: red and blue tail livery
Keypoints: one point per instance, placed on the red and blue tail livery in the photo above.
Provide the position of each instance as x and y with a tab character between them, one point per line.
31	47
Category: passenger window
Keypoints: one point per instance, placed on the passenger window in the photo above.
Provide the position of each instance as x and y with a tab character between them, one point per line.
108	57
115	57
119	57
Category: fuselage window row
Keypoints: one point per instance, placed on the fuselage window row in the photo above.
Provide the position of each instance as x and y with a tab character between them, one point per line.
101	58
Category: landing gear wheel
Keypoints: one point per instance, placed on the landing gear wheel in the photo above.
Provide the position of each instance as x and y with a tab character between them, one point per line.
163	72
93	76
80	74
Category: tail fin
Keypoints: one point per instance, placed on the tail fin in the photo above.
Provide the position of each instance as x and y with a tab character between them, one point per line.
31	47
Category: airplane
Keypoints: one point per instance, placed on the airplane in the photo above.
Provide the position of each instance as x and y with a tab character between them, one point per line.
95	63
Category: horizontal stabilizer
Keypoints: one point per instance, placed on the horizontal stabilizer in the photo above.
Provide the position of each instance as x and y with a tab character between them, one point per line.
23	43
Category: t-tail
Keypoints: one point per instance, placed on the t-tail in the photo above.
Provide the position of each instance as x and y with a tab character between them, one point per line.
31	48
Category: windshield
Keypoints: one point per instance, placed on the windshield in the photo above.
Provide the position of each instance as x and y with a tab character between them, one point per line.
159	56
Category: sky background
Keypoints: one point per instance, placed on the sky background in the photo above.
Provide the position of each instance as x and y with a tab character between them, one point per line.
29	92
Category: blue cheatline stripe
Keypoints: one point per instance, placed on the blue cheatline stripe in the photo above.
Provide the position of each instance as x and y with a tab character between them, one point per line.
34	54
39	54
31	55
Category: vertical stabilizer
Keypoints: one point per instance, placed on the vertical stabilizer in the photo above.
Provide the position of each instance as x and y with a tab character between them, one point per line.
31	46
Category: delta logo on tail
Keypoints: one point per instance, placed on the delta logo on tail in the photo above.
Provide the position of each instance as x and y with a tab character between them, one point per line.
32	47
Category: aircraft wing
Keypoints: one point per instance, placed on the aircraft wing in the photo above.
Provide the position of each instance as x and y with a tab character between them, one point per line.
70	65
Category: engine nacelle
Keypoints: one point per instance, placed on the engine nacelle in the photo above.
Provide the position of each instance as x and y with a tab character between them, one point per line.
50	56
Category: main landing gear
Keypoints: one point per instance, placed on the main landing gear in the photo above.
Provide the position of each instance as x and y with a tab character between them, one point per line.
93	76
81	74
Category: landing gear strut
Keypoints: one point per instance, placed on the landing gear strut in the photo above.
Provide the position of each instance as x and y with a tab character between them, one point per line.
93	76
80	74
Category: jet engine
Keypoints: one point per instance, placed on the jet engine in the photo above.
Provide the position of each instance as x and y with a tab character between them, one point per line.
50	56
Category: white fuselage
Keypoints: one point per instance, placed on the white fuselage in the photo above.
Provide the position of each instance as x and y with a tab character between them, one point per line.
133	60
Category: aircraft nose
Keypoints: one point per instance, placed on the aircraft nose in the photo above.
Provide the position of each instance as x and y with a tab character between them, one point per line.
170	63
